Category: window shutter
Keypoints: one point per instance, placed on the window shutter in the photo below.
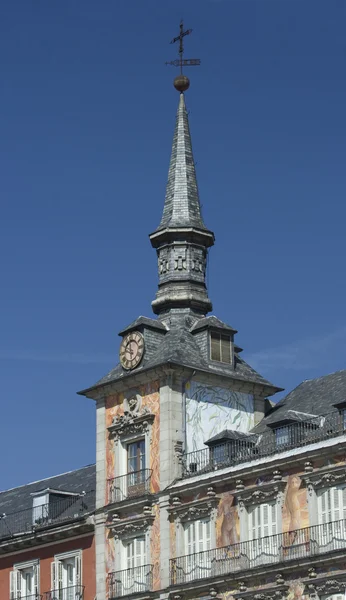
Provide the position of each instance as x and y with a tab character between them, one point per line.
190	535
273	517
53	576
215	346
226	349
343	514
335	496
60	581
78	564
265	519
36	579
207	534
13	585
19	583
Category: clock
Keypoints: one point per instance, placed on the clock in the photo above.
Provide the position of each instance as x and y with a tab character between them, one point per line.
131	350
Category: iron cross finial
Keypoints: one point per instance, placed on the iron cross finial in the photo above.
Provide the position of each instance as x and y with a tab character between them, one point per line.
181	62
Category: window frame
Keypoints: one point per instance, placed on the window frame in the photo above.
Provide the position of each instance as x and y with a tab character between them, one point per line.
221	337
16	579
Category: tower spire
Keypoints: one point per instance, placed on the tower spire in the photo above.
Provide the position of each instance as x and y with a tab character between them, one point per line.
182	239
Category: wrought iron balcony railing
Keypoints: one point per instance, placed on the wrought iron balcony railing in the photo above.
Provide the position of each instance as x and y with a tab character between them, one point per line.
130	581
285	437
298	544
14	525
131	485
19	596
73	592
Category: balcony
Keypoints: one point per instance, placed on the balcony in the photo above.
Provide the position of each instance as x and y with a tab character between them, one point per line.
130	581
132	485
74	592
14	525
287	437
29	597
271	550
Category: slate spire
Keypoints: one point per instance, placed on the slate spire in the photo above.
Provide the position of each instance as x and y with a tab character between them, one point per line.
182	239
182	206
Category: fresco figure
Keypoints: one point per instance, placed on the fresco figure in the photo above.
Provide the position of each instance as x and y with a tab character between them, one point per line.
228	533
292	502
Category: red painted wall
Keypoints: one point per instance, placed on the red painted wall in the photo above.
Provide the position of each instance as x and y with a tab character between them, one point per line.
46	555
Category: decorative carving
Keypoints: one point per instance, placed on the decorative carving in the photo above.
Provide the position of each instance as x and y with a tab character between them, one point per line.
211	492
163	263
213	593
126	527
242	586
277	476
327	586
179	451
308	466
194	510
279	579
239	484
266	492
131	423
312	572
180	260
268	594
324	479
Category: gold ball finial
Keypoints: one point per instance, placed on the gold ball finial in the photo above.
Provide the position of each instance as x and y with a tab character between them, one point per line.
181	83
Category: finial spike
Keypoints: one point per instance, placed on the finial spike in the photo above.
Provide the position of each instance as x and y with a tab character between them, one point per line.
182	83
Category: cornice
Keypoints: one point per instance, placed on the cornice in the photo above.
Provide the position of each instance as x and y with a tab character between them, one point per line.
263	493
190	511
128	527
277	593
131	423
324	586
326	478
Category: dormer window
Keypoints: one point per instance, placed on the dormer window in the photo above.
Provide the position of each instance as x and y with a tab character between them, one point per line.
220	347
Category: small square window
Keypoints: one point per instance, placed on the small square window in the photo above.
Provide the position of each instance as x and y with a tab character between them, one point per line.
220	348
282	435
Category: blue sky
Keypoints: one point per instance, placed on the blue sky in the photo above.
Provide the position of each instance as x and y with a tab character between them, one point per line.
88	111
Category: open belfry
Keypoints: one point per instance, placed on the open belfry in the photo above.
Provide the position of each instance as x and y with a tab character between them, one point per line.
205	488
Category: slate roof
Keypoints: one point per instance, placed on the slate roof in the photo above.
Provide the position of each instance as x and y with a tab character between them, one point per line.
182	207
179	346
146	322
212	321
228	434
312	397
78	481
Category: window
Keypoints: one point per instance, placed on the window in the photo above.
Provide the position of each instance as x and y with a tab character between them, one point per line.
135	577
282	435
136	479
136	456
262	531
332	504
220	347
25	581
197	542
66	577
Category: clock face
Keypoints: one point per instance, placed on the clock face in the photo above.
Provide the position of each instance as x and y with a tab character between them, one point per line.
132	350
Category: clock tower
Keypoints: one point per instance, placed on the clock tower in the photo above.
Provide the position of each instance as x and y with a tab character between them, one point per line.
180	381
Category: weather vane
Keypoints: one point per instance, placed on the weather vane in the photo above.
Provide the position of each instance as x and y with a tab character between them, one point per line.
182	83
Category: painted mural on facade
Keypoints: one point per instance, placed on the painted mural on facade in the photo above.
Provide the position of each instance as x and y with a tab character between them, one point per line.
227	522
295	591
210	410
295	514
150	399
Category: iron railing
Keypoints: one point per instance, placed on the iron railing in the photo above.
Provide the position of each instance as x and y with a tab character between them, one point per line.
130	581
285	437
274	549
19	596
131	485
73	592
13	525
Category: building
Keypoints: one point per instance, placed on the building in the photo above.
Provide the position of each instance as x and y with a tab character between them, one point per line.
204	487
47	538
